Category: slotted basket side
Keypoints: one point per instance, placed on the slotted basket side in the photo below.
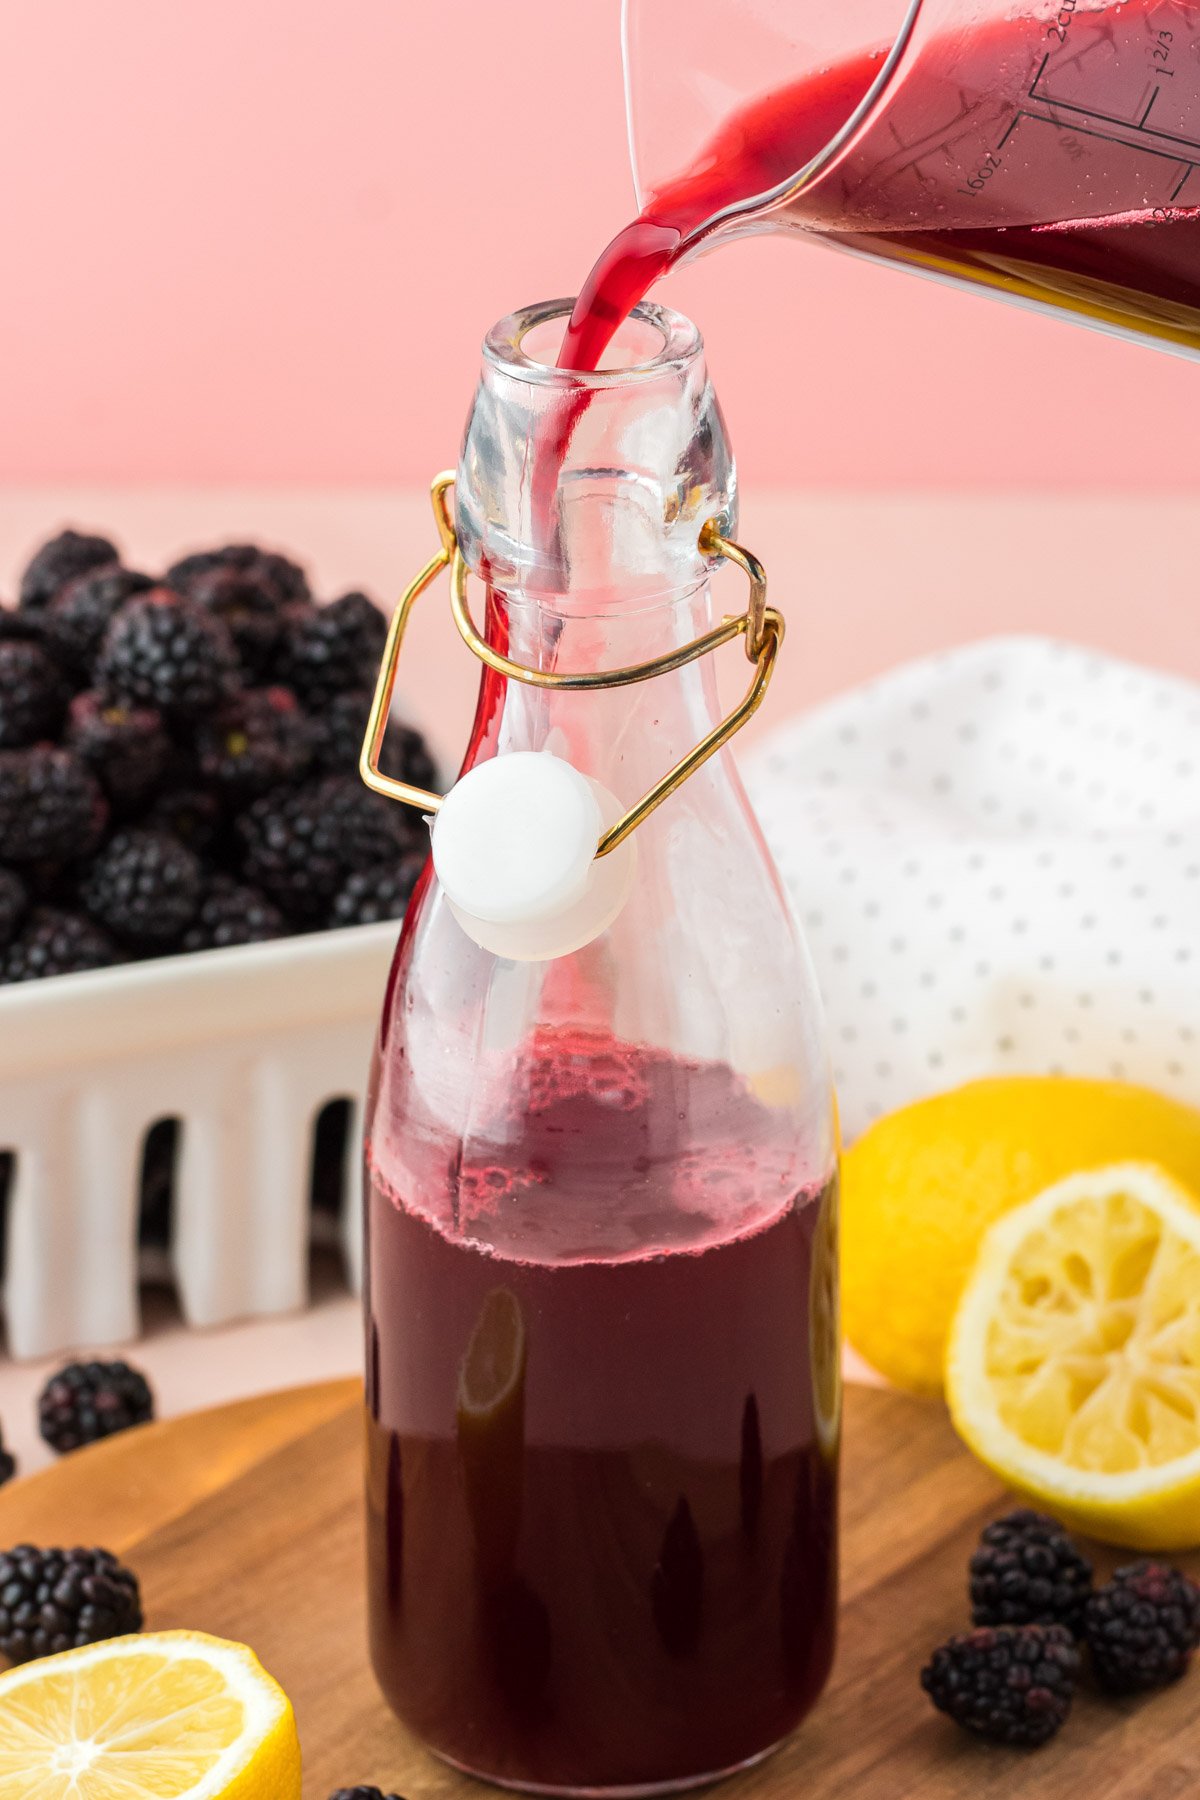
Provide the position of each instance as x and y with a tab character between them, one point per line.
243	1047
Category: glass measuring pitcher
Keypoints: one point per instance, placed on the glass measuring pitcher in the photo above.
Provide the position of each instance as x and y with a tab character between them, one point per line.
1045	150
601	1276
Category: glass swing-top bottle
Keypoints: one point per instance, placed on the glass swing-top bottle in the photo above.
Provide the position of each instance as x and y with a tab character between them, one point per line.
601	1293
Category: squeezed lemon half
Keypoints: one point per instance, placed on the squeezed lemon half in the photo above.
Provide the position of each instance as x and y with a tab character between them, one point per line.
921	1187
1073	1366
168	1716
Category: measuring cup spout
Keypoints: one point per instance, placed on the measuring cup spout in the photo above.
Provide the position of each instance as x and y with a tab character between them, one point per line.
724	120
1047	151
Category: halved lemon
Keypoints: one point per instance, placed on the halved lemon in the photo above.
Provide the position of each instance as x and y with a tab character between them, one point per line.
167	1716
922	1186
1073	1366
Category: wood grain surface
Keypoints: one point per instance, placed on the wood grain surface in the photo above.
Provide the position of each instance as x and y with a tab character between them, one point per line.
246	1521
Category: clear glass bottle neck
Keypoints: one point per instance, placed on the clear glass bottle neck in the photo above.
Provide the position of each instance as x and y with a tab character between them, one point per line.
593	488
620	736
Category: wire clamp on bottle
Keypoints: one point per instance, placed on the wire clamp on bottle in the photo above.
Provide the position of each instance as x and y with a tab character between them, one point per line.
760	627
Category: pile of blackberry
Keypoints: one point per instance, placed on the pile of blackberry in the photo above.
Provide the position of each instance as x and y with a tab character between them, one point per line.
1036	1612
178	760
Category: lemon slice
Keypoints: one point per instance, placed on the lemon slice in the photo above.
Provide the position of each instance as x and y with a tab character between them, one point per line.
1073	1367
172	1716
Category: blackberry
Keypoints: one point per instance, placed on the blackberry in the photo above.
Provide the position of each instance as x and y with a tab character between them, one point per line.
126	748
53	941
184	575
332	649
21	627
53	884
33	695
372	831
249	590
69	554
1143	1628
250	609
164	651
291	849
258	741
338	734
1011	1683
362	1793
371	895
52	1600
301	845
192	814
14	898
80	613
51	806
144	887
8	1465
285	579
232	914
285	576
406	756
85	1402
1028	1572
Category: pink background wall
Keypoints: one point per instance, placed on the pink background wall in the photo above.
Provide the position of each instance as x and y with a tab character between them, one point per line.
260	243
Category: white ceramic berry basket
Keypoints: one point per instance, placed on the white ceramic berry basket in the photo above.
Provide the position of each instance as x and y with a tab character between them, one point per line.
243	1047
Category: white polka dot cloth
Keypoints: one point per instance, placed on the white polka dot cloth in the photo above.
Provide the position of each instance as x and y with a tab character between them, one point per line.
995	855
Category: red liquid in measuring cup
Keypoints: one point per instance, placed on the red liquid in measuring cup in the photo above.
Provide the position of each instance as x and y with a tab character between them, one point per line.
1056	160
602	1469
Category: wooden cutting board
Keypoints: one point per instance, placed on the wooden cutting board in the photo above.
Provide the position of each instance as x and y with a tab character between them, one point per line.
246	1521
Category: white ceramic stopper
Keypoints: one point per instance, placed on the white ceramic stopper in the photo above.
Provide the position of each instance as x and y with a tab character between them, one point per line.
514	847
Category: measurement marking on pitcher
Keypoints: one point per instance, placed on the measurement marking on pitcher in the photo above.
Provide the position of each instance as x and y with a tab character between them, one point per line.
993	160
1160	54
1106	137
983	174
1066	17
1137	126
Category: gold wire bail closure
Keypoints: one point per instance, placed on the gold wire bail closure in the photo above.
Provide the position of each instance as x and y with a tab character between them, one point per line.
760	627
